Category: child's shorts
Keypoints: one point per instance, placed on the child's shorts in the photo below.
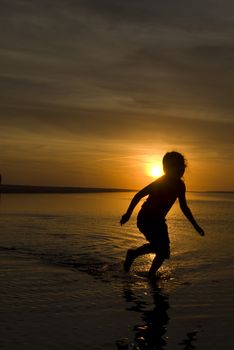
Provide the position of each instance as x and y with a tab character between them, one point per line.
156	233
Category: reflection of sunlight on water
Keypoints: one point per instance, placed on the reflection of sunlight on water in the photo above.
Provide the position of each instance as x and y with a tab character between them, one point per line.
151	302
77	203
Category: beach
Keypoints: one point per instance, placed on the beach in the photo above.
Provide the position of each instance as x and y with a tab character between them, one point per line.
62	283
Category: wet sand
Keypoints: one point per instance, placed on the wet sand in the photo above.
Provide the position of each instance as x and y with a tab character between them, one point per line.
54	307
202	313
50	307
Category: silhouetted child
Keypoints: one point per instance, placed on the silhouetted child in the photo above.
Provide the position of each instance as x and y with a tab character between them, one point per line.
162	194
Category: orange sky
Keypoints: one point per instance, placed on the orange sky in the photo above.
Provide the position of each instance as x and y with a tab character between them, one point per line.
92	92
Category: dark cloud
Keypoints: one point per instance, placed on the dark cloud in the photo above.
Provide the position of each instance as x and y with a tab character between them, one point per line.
162	11
69	48
125	127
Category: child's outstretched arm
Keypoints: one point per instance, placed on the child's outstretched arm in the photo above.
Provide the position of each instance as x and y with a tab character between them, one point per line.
135	200
187	212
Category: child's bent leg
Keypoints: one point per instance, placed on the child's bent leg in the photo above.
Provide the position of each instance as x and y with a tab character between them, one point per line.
157	262
144	249
132	254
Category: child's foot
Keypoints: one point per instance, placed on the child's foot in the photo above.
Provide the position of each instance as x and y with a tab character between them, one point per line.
130	256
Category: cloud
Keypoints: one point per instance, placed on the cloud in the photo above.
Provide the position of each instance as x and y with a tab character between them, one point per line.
76	53
148	73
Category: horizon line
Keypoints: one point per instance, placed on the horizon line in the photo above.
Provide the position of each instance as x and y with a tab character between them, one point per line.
13	188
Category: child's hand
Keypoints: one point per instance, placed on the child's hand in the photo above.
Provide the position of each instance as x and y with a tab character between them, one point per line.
200	230
124	219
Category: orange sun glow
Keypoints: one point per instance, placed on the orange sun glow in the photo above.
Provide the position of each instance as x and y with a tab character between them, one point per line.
155	170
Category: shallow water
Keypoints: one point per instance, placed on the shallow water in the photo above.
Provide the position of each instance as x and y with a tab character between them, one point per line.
67	251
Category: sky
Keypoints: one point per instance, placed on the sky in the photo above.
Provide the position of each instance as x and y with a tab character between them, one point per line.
95	92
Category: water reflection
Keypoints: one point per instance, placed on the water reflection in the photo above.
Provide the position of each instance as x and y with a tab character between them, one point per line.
150	334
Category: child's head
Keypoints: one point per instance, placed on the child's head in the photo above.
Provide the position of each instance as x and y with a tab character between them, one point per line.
174	164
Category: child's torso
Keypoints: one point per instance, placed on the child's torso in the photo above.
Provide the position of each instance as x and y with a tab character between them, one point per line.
162	197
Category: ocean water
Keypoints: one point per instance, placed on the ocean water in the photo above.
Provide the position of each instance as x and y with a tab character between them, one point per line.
61	270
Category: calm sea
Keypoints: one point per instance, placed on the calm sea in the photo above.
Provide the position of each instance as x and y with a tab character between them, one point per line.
83	231
80	233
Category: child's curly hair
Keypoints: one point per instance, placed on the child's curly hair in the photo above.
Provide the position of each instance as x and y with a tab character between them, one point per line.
174	162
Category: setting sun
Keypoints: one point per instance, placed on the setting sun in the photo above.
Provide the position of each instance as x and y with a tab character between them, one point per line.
155	170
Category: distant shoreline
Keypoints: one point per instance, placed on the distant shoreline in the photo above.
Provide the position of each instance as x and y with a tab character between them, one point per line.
63	189
57	189
231	192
